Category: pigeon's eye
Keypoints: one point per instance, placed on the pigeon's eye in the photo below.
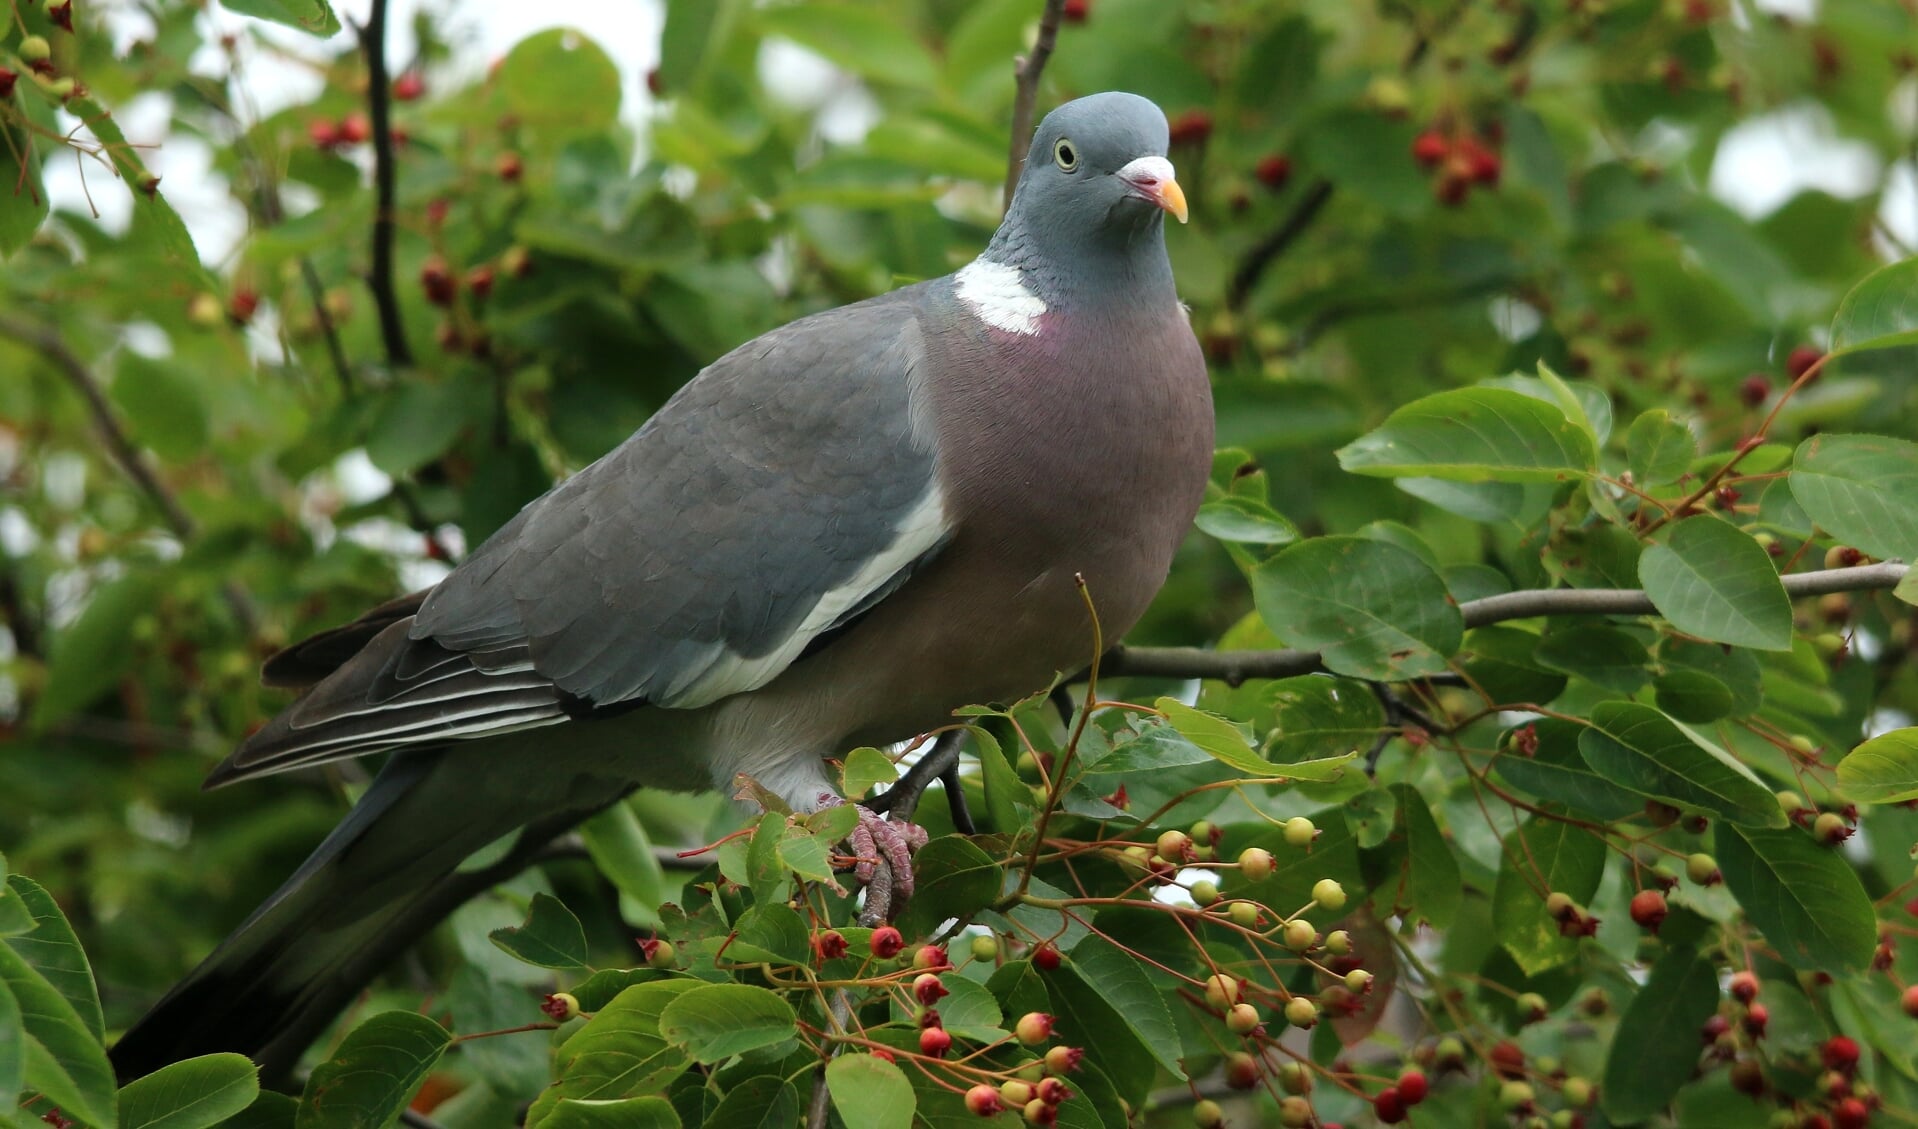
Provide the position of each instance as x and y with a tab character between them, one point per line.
1064	155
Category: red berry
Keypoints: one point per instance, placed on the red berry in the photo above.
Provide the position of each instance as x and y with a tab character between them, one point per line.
509	167
653	83
1744	987
1191	127
1711	1029
438	281
983	1100
1506	1059
1051	1091
409	86
931	958
886	942
1800	360
242	304
1033	1028
561	1006
1649	909
7	79
355	128
1412	1086
1076	11
1840	1053
1273	170
1046	957
1482	165
1431	147
1755	389
480	280
1850	1113
927	988
1909	1001
1748	1077
934	1041
323	133
1388	1106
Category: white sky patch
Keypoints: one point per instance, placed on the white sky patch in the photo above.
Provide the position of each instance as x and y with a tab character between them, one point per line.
1765	161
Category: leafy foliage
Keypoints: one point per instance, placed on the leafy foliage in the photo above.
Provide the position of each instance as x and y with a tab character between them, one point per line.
1546	560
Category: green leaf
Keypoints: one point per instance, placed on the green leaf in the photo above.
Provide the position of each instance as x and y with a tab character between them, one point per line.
1659	448
416	421
1655	1051
312	16
1373	609
192	1094
1556	772
1543	855
64	1059
871	42
1433	887
1247	521
1805	898
23	195
369	1079
13	1047
91	655
1474	435
806	854
1636	747
270	1110
695	30
1879	313
551	937
721	1020
1008	800
1861	489
162	404
869	1092
1121	982
763	1102
1222	741
55	953
626	1113
1314	717
559	81
1883	770
621	849
1604	656
866	768
1504	664
620	1052
953	878
1710	579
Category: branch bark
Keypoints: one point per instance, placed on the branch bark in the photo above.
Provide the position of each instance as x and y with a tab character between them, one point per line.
1025	79
54	349
1268	249
1234	667
379	278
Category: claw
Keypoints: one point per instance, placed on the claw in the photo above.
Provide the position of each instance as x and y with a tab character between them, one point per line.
884	852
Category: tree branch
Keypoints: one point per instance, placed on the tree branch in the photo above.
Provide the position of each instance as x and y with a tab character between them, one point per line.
379	278
1262	254
1025	79
1234	667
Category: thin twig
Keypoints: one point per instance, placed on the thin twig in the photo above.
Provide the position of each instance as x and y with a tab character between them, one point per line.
379	108
837	1014
50	346
1234	667
1246	278
1025	80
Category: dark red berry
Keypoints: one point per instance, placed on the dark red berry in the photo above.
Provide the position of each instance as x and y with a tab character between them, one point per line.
7	79
323	133
1712	1028
886	942
1191	127
1744	987
1754	389
509	167
1506	1059
62	15
1412	1086
1800	360
1046	957
241	306
409	87
1430	147
1481	164
437	281
1748	1077
1756	1017
480	280
934	1041
1388	1105
1451	190
1274	170
355	128
1850	1113
1840	1053
1076	11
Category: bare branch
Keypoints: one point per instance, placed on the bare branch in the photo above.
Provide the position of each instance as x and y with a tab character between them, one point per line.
50	346
379	108
1268	249
1234	667
1025	78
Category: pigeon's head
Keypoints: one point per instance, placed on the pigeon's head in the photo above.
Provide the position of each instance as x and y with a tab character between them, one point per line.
1097	169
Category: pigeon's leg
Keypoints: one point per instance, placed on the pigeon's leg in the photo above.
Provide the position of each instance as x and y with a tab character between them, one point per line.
883	848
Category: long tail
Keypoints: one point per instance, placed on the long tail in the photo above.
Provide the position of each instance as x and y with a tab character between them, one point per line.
385	876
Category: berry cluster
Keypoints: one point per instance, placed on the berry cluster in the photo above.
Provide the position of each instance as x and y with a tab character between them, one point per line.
1460	160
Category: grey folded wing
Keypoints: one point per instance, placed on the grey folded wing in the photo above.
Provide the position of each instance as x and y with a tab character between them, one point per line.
783	492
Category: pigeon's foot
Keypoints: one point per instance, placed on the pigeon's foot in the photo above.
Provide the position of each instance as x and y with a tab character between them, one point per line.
883	850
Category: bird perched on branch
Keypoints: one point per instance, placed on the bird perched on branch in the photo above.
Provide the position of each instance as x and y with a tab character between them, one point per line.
835	535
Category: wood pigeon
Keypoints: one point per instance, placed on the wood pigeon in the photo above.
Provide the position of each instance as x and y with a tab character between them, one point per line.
833	536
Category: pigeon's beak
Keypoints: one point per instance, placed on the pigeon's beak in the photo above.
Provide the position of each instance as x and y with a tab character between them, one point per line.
1151	178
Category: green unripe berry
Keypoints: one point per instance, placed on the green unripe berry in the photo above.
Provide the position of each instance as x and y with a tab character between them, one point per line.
985	947
1205	891
1015	1093
1295	1078
1295	1113
1242	1019
1357	981
1338	942
1703	869
1221	991
1300	831
1531	1007
1174	845
1207	1114
1329	894
1244	914
1301	1012
1578	1092
1256	864
1516	1095
662	955
1299	935
35	49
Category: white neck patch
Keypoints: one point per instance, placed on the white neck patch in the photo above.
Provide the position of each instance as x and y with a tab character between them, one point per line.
995	293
